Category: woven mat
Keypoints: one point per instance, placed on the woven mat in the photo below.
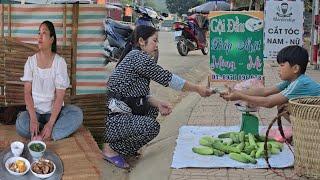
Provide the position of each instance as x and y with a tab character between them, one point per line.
79	153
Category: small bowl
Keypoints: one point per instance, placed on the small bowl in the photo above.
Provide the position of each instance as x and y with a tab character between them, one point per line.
43	176
14	159
17	148
36	154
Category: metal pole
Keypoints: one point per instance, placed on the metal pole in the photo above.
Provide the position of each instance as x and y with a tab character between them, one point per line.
132	13
250	4
312	38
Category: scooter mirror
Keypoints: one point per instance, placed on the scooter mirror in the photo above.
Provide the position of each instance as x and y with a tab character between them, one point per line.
164	14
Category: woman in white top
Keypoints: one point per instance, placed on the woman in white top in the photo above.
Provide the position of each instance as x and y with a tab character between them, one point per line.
45	82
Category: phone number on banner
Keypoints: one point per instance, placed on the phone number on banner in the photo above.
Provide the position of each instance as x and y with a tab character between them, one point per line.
235	77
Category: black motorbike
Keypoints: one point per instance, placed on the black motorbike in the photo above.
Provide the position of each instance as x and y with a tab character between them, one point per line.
118	36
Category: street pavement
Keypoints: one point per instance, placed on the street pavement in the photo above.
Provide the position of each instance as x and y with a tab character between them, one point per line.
191	109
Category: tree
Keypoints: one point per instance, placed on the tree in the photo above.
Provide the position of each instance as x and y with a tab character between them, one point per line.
126	2
181	6
150	3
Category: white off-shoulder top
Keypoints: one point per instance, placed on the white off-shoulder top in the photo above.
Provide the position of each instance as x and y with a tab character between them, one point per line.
45	81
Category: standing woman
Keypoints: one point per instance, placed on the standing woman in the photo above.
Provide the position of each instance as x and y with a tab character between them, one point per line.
45	82
131	122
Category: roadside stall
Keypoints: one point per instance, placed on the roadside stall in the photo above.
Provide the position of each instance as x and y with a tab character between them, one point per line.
80	35
239	44
236	54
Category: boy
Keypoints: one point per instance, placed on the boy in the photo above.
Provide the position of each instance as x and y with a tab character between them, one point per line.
293	62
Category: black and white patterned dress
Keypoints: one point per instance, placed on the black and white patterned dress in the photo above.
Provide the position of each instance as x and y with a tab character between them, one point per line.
127	133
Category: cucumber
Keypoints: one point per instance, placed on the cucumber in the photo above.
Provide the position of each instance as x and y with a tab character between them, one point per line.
240	146
253	153
275	150
225	135
203	150
224	148
249	149
249	158
251	140
241	136
234	137
262	138
206	141
217	152
227	141
238	157
276	144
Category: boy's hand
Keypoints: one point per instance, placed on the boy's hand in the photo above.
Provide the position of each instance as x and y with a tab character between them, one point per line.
231	94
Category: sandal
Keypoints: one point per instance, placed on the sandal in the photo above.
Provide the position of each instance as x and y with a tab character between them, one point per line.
118	161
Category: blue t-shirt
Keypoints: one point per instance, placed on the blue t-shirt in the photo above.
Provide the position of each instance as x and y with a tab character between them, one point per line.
302	86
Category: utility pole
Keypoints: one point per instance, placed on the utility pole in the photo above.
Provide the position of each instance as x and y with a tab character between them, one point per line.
232	4
250	4
314	48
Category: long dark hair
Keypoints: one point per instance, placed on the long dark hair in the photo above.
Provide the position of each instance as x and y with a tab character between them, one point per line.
141	31
50	26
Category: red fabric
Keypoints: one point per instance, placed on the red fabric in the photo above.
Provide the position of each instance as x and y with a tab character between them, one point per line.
275	133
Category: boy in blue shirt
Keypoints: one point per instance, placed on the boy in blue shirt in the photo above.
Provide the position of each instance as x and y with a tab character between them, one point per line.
293	62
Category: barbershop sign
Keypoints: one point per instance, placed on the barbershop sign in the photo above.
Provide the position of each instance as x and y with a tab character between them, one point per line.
236	45
283	25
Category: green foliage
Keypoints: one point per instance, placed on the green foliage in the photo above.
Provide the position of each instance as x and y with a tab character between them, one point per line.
150	3
182	6
124	2
161	5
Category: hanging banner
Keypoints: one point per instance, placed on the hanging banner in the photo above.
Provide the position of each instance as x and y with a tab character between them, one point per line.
236	45
283	26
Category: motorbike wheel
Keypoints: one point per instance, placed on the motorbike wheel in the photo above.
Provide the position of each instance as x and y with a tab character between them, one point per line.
182	47
205	50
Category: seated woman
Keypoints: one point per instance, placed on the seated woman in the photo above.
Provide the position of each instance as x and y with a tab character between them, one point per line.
45	82
131	122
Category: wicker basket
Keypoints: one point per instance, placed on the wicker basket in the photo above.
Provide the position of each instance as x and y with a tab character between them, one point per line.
305	118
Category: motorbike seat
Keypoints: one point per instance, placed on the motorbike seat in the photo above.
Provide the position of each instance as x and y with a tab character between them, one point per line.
119	25
122	29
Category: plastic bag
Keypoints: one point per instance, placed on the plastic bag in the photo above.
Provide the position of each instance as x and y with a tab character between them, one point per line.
246	85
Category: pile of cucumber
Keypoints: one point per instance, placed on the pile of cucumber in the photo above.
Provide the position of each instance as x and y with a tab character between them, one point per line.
245	148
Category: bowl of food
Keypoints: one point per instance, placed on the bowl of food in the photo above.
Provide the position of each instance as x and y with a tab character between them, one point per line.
17	166
37	149
43	168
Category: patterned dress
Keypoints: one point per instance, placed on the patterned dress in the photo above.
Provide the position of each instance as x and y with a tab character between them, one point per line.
127	133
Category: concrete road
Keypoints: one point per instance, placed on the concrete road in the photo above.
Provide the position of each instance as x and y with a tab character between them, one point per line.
157	155
193	67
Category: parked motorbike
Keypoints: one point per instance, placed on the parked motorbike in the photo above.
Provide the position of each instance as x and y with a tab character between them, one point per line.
118	36
190	35
146	16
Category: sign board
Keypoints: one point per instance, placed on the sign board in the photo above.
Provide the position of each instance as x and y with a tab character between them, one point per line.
236	45
283	25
